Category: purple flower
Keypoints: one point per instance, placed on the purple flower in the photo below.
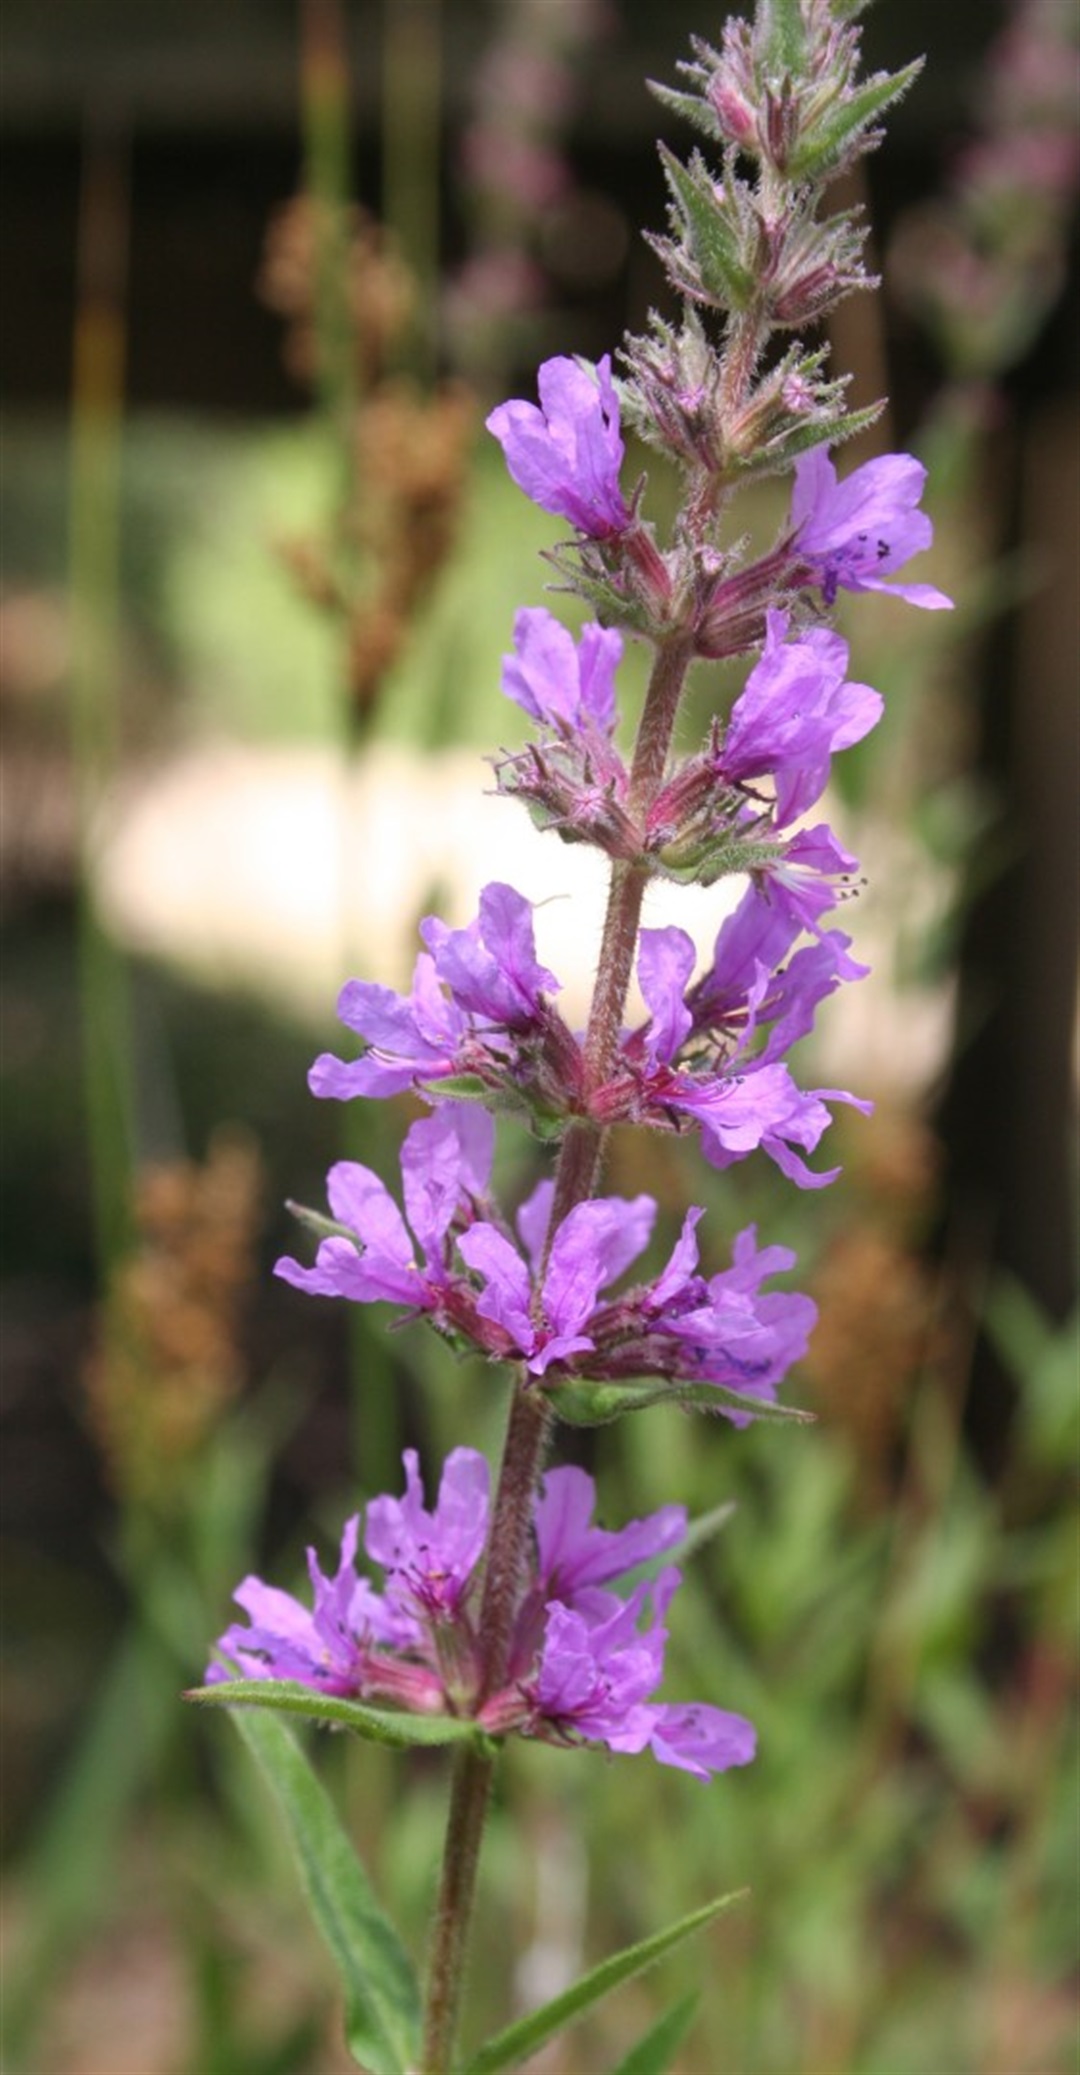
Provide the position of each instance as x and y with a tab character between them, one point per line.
795	711
737	1336
327	1647
566	687
583	1662
567	455
809	875
855	533
445	1166
592	1247
597	1671
475	991
721	1330
431	1558
490	966
755	980
691	1058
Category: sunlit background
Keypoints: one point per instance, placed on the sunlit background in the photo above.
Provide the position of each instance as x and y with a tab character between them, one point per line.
268	267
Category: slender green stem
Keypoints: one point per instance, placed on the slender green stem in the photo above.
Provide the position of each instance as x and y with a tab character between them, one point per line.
530	1420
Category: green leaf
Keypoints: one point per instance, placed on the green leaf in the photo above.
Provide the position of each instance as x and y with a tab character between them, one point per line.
780	33
376	1725
382	2001
828	141
715	250
597	1404
653	2053
516	2045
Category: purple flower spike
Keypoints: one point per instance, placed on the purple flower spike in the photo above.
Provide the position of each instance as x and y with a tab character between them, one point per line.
855	533
564	686
567	455
796	710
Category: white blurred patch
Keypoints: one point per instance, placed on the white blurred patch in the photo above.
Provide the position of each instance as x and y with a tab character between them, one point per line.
278	871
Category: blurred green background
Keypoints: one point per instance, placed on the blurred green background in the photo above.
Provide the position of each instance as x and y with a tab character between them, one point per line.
260	563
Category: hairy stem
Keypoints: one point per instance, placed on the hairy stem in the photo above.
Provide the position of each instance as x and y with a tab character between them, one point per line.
530	1420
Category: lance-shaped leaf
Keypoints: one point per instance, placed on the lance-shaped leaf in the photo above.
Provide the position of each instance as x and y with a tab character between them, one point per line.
382	2002
520	2041
597	1404
375	1725
827	145
656	2049
780	36
715	246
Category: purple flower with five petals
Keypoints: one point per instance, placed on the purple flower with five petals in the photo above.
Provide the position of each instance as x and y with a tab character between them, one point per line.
567	455
855	533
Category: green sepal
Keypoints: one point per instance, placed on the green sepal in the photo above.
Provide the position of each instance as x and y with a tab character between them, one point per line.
615	607
692	107
826	144
382	2000
582	1404
514	2046
376	1725
725	269
657	2047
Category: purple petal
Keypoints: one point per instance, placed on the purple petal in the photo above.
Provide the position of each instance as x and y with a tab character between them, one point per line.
592	1246
665	965
573	1554
445	1160
567	455
507	1294
533	1220
558	684
702	1740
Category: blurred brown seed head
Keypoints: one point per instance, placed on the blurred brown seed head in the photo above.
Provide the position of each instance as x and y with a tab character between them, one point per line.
168	1356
